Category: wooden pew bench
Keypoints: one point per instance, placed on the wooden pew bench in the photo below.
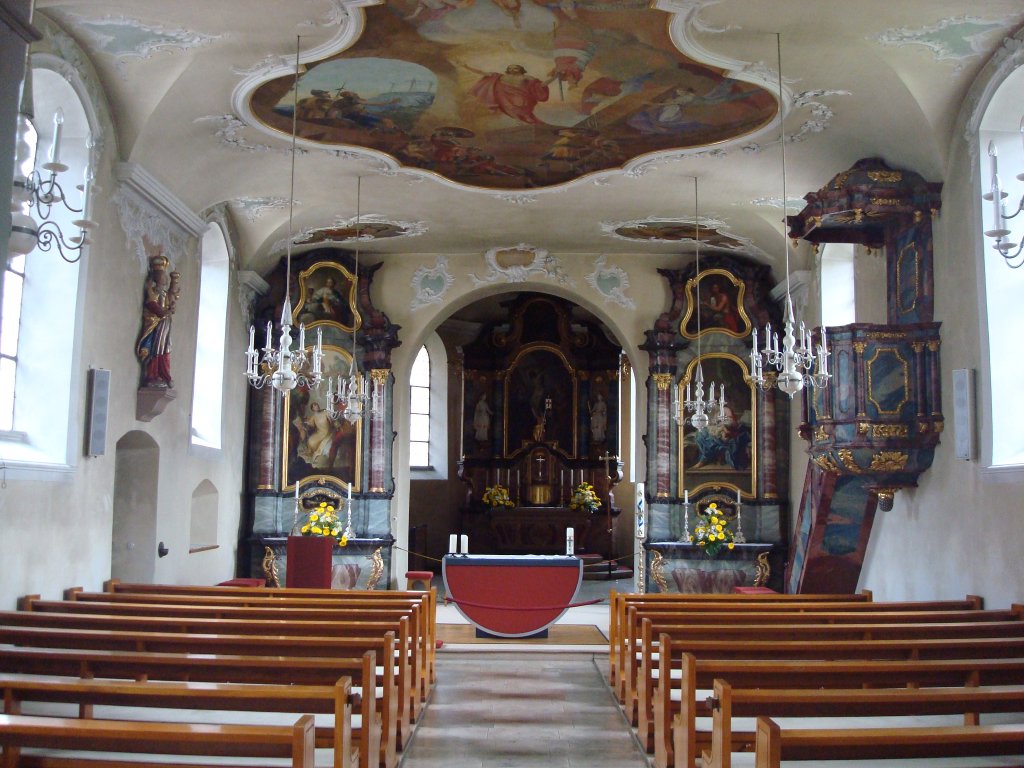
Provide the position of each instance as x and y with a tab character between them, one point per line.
390	690
631	610
177	702
643	679
252	671
679	742
287	598
20	732
727	703
774	744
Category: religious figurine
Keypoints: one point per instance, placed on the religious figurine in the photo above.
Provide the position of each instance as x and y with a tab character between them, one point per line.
482	419
153	346
598	419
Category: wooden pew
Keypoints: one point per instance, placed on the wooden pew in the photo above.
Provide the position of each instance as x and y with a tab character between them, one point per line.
253	671
19	732
263	596
678	742
632	610
774	744
728	702
406	666
243	619
390	693
641	681
223	697
617	602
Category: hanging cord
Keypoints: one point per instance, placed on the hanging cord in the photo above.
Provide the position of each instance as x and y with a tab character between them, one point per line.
782	133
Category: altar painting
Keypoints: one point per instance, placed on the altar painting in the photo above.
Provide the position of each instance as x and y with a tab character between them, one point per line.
513	94
327	294
315	443
723	454
540	401
718	296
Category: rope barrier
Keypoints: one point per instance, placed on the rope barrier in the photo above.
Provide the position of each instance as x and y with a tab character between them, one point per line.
450	599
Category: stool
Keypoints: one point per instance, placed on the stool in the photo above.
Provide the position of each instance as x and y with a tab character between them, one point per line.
412	578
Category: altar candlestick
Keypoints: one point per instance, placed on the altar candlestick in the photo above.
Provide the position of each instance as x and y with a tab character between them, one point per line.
451	544
464	544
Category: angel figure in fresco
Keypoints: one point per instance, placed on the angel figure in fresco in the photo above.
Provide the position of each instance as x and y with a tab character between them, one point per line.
435	9
512	92
153	346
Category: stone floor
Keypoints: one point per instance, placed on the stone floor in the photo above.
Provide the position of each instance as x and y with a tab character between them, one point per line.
504	710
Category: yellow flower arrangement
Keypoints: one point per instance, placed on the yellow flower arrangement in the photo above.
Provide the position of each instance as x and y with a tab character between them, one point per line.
496	496
323	521
584	497
713	531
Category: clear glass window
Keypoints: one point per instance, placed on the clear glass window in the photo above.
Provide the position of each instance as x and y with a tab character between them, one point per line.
419	410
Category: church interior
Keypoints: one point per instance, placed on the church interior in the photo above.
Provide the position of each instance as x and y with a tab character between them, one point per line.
513	278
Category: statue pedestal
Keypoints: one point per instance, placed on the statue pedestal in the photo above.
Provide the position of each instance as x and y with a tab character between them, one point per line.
150	402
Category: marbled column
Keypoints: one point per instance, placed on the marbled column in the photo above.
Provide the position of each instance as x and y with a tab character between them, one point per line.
663	440
375	479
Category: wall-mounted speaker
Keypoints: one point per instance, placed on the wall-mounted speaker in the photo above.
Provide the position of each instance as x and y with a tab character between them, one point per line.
963	413
98	403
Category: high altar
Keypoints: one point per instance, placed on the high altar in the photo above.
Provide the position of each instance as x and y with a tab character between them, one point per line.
540	415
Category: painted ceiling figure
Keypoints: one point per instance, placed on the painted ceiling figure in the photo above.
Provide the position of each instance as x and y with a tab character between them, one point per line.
512	92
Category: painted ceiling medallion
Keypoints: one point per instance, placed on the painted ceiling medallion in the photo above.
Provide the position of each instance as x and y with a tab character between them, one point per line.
659	230
371	227
513	94
519	263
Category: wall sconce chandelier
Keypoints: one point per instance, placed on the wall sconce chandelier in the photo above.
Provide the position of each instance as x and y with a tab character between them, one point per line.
798	363
33	192
352	393
285	368
1000	231
695	402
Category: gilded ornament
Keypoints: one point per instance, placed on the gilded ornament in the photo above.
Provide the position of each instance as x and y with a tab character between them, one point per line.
938	426
762	570
376	570
889	430
658	570
820	433
886	177
917	346
826	463
863	427
889	461
885	201
270	575
933	346
858	215
380	375
663	380
859	347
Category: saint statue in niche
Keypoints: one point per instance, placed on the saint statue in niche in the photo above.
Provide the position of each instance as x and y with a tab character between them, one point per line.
160	295
482	419
598	419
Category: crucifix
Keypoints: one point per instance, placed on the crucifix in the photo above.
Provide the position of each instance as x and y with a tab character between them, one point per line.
540	468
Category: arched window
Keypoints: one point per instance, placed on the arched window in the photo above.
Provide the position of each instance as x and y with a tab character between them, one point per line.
208	389
419	411
1000	130
38	345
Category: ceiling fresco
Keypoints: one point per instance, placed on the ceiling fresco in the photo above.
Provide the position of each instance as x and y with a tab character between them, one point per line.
514	94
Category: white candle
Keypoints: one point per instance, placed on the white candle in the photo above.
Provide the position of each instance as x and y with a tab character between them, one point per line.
561	479
451	544
269	327
296	490
58	127
686	496
302	336
738	499
464	544
252	337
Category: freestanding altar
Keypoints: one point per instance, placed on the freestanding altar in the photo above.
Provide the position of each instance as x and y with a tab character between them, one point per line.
512	595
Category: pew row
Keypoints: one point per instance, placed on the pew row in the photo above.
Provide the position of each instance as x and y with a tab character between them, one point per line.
175	702
679	743
774	744
20	732
727	702
387	692
365	720
860	639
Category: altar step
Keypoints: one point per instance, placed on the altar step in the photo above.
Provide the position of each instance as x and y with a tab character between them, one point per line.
596	568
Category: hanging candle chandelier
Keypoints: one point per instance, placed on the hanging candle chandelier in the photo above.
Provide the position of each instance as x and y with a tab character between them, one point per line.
285	368
352	392
798	361
695	402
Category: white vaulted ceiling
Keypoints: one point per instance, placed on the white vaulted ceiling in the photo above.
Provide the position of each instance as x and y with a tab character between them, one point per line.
862	78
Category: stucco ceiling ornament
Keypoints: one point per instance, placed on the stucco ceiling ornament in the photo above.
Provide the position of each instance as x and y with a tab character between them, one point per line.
127	39
611	282
431	284
957	38
142	222
520	263
517	199
253	208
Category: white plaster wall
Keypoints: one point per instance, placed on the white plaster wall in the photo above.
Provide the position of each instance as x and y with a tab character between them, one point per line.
960	531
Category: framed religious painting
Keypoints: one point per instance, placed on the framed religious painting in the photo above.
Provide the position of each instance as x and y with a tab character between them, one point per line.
315	444
540	400
724	453
717	295
327	294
